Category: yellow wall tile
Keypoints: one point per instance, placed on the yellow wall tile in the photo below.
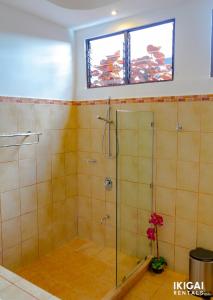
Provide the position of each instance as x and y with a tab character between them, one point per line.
12	257
167	231
167	144
168	250
145	170
185	235
128	168
27	172
28	198
29	225
166	173
206	147
84	140
128	142
84	185
187	205
188	146
59	189
29	250
145	197
8	118
203	236
71	140
84	117
182	260
97	188
206	175
98	234
44	168
11	232
145	143
189	116
9	176
205	209
165	115
45	216
97	144
98	210
26	117
188	176
58	165
70	163
165	201
206	117
84	228
84	207
128	218
44	193
57	138
10	205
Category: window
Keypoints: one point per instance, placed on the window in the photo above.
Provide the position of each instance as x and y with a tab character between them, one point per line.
151	54
106	61
138	55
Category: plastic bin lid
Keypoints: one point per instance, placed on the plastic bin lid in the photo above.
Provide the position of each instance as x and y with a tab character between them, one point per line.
202	254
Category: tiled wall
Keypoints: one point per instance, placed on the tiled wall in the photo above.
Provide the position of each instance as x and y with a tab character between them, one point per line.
38	183
93	201
135	177
183	172
183	181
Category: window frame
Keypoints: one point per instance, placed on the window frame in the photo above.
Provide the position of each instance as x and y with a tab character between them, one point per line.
211	73
127	56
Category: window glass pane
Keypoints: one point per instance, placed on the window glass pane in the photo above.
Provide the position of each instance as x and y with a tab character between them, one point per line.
106	61
151	51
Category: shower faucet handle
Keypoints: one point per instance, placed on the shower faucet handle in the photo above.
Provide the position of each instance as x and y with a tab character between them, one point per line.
108	183
104	218
179	127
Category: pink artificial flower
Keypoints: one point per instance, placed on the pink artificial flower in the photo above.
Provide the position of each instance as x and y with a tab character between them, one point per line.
156	219
151	233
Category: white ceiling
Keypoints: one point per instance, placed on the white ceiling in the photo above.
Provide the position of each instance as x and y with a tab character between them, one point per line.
81	18
81	4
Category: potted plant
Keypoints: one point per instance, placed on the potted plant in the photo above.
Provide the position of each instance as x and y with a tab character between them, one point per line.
158	262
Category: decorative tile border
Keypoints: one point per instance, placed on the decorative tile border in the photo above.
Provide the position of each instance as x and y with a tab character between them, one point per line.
188	98
7	99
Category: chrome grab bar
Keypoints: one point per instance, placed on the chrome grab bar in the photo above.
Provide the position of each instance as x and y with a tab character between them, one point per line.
24	134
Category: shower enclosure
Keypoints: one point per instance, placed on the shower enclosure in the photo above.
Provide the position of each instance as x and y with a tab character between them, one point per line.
134	168
72	212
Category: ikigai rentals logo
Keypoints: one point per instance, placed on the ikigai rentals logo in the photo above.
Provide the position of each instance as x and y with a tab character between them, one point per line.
183	288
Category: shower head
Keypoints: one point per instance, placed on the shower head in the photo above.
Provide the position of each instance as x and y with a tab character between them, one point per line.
104	119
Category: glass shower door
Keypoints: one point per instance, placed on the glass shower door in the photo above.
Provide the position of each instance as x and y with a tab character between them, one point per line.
134	168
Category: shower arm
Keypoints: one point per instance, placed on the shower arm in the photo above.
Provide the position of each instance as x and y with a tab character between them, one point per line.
104	119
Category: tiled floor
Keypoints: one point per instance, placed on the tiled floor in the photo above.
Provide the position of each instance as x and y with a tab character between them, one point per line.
158	287
80	270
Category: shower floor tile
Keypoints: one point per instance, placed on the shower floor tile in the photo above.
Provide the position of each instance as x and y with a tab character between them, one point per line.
79	270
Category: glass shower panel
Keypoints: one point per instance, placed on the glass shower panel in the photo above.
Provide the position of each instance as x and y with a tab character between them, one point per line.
134	167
